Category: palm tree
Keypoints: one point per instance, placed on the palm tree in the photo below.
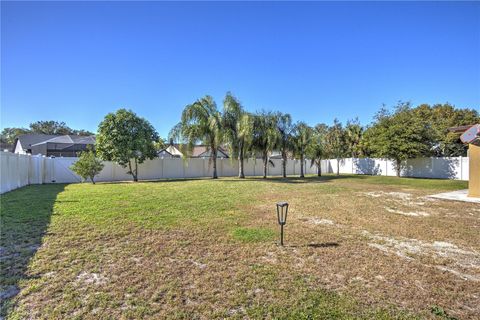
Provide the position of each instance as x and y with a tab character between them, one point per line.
201	122
353	136
335	142
316	149
238	126
302	139
284	127
265	136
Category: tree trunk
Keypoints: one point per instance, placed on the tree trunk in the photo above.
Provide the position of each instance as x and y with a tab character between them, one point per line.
338	166
214	161
284	164
265	164
92	178
241	173
398	167
301	166
319	168
135	177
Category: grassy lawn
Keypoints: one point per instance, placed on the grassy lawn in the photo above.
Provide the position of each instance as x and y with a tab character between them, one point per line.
357	247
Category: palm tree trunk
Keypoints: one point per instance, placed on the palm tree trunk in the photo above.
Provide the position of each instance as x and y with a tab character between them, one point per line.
214	162
301	166
284	164
265	164
241	173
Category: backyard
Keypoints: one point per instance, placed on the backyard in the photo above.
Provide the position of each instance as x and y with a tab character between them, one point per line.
355	247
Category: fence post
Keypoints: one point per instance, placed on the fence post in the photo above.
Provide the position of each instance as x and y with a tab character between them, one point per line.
461	168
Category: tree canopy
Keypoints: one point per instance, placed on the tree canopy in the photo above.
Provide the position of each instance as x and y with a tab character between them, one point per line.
42	127
399	135
201	122
127	139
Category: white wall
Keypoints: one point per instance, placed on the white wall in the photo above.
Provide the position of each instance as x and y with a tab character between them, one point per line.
18	170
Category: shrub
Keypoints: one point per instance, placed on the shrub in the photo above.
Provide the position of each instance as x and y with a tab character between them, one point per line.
87	166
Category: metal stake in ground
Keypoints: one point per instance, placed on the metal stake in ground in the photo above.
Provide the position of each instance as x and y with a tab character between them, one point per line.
282	210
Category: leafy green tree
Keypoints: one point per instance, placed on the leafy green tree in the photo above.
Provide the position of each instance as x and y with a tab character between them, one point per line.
399	136
316	149
285	142
160	144
439	118
238	127
201	122
50	127
127	139
302	137
335	144
87	165
353	136
9	135
265	136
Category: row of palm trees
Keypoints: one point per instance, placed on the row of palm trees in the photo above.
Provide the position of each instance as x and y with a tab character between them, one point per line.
255	134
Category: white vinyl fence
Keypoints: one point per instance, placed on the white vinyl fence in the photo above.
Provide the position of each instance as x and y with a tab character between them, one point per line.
19	170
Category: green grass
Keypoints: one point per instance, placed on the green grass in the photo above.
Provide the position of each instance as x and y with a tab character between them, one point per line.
253	234
155	241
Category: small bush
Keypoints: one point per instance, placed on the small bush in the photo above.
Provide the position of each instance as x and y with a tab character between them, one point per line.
87	166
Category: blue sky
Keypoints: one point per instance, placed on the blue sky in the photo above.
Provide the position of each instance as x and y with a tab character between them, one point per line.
75	62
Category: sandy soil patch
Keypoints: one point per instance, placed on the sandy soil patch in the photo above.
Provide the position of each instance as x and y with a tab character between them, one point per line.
446	256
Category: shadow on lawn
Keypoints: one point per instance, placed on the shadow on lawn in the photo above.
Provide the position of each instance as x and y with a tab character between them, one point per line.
315	245
25	216
275	179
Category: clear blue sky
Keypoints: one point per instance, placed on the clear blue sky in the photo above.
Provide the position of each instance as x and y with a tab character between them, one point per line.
75	62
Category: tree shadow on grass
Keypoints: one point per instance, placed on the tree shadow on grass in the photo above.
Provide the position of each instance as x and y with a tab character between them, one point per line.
274	179
24	220
315	245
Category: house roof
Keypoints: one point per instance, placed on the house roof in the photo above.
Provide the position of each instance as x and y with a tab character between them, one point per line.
198	150
460	129
29	140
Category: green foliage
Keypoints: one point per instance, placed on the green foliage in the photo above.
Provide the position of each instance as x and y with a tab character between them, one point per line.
201	122
399	136
302	138
237	127
160	144
50	127
439	118
438	311
353	136
41	127
124	137
87	165
265	136
9	135
335	145
316	149
285	139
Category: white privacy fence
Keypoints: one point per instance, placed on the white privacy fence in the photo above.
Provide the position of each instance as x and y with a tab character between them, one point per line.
19	170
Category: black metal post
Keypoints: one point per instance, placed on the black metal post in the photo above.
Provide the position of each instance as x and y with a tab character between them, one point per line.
281	234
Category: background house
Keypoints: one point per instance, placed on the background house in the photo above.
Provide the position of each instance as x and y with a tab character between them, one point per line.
53	145
199	151
471	136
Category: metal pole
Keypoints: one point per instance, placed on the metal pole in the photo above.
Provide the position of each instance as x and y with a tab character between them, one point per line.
281	234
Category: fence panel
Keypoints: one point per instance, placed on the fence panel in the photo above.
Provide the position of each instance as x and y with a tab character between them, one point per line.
18	170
